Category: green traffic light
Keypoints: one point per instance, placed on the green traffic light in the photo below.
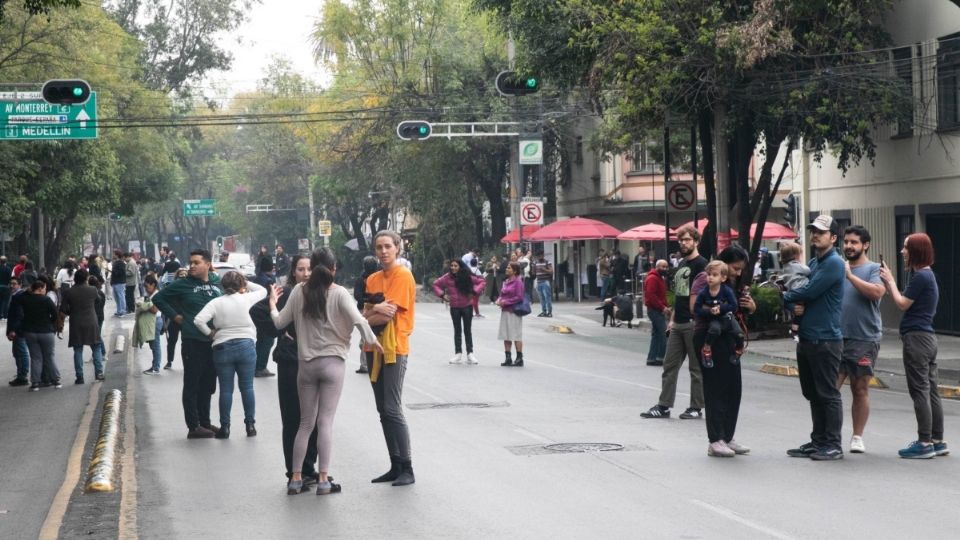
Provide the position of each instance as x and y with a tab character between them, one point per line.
77	91
531	83
424	130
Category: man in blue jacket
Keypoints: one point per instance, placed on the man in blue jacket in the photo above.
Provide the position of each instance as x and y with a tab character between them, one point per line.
821	342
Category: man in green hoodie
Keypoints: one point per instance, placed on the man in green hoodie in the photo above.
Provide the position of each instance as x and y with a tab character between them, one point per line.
180	301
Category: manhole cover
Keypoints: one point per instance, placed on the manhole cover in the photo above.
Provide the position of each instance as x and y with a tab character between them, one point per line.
583	447
457	405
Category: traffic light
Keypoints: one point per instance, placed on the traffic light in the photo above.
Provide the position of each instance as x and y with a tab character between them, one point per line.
66	92
219	242
510	83
790	212
115	216
414	130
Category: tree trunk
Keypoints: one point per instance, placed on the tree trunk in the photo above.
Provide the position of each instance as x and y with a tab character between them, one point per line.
54	238
705	122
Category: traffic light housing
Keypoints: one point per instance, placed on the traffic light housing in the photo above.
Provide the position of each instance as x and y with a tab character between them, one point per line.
790	211
66	92
219	242
510	83
414	130
115	216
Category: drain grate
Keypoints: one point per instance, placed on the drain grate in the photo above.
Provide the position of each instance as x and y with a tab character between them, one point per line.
575	448
457	405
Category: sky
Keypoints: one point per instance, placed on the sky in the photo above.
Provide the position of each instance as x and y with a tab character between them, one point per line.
270	31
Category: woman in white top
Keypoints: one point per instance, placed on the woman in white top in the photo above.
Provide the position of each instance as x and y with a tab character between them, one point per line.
324	315
64	277
234	352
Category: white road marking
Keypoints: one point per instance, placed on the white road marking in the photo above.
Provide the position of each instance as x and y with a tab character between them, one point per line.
128	472
733	516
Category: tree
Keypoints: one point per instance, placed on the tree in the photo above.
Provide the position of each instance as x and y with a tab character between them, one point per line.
773	73
37	7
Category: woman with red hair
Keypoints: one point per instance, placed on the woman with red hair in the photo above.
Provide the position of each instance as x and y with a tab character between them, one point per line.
919	304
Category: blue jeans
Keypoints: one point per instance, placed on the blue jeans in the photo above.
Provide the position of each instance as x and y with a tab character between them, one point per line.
546	296
21	354
155	346
658	336
237	356
78	360
119	296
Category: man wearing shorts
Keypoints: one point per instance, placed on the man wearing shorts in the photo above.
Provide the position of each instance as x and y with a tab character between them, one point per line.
860	325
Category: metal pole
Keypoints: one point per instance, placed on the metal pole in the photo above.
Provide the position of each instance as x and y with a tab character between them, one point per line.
693	168
666	181
40	239
313	230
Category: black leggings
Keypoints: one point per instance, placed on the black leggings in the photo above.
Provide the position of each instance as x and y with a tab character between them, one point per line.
722	388
462	322
173	334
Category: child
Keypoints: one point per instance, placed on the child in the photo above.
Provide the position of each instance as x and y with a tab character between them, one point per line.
794	275
716	304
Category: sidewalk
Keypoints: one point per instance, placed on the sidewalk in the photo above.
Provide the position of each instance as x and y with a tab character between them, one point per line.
783	351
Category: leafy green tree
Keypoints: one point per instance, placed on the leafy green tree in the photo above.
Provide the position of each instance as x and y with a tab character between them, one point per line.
37	7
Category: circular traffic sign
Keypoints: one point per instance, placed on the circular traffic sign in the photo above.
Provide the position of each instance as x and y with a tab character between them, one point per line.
681	196
530	213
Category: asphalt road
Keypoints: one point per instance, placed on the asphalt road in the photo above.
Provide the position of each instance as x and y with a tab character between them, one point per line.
483	473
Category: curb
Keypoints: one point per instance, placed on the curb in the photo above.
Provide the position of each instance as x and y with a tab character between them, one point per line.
779	369
101	469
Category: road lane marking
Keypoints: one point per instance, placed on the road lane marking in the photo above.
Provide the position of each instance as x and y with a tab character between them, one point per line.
733	516
128	471
58	508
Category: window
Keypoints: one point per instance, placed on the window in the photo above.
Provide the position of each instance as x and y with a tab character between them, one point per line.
903	67
842	224
578	159
905	227
638	157
948	82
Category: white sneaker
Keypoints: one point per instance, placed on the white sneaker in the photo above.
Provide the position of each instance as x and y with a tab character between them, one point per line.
720	449
856	445
738	448
457	359
472	359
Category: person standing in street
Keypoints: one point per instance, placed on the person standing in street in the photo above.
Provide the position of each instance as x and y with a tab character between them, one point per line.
234	351
21	353
281	264
458	288
65	279
387	370
324	315
820	348
99	307
603	273
543	273
132	278
370	265
655	298
861	326
511	324
79	303
149	324
266	334
722	382
6	274
118	283
919	304
19	268
180	301
490	276
37	327
680	330
170	266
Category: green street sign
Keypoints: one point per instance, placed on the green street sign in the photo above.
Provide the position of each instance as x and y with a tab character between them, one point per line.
33	119
198	207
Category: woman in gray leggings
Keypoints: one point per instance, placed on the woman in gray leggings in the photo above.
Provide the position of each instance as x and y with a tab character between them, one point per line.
324	315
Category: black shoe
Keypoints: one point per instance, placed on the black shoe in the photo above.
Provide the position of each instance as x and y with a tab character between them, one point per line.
691	414
655	363
211	428
168	366
804	450
328	487
251	430
390	475
223	433
264	373
295	487
362	370
78	381
406	475
656	412
34	387
100	377
541	315
200	432
827	454
518	362
19	382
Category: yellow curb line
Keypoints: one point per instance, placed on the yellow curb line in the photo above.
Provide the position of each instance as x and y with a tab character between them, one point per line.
102	465
559	329
950	392
778	369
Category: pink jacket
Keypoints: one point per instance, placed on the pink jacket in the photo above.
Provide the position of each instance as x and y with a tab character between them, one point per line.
446	284
511	294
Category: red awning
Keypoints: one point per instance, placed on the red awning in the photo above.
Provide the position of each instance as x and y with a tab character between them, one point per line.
513	236
649	232
575	228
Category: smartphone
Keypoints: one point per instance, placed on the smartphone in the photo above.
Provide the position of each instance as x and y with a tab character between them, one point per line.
881	260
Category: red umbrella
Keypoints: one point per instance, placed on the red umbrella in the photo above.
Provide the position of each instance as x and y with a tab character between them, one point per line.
513	236
774	231
576	228
701	226
649	231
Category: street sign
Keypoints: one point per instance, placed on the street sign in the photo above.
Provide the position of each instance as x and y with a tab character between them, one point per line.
531	213
303	244
531	152
198	207
681	196
325	227
33	119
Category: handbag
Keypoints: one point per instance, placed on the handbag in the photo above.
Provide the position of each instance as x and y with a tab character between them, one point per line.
523	308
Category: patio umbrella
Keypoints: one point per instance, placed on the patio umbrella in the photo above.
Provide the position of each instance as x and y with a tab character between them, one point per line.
575	228
648	232
513	236
774	231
